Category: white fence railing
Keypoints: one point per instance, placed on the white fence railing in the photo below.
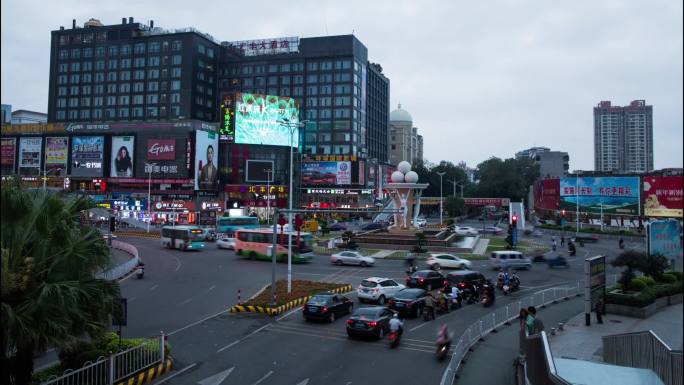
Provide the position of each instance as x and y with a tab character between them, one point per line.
121	270
109	370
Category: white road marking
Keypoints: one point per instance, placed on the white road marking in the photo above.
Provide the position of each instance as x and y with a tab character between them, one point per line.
289	313
211	288
179	263
197	322
228	346
154	287
186	301
217	378
262	379
177	373
305	382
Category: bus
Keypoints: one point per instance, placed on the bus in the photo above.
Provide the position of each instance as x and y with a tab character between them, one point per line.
229	225
254	244
182	237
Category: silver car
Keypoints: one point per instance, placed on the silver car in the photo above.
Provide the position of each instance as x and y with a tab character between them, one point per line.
351	258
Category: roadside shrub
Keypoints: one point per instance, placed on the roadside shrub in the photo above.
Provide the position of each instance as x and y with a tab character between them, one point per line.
89	355
649	281
647	296
637	284
42	376
68	355
668	278
677	274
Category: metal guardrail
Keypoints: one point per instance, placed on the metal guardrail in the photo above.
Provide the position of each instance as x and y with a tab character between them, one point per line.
121	270
644	350
109	370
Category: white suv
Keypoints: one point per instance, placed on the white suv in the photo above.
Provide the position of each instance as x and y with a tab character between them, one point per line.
378	289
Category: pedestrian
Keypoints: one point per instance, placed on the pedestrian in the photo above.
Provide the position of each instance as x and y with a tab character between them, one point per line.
522	317
562	240
599	310
534	324
429	307
554	244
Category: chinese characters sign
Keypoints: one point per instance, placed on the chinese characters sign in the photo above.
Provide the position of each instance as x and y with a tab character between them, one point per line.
87	155
663	238
227	130
546	194
29	155
486	201
267	46
322	173
266	119
56	155
663	196
8	149
610	195
595	282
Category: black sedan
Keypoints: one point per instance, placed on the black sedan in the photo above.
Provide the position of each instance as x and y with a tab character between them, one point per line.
369	322
327	307
409	302
426	279
337	227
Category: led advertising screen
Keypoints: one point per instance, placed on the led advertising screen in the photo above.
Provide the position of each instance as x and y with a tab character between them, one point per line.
87	155
547	194
663	238
227	126
30	150
259	171
206	156
607	195
163	156
663	196
123	148
56	155
326	173
259	119
8	150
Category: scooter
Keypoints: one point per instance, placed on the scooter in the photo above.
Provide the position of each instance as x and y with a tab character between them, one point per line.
394	337
442	349
139	272
455	302
506	289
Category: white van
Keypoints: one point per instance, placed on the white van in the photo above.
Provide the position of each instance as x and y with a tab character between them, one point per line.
509	259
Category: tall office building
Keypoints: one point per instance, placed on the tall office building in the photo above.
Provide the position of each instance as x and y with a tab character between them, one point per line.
623	137
552	164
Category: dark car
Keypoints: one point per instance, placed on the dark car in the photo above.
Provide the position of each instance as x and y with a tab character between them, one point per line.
409	302
539	258
585	238
374	226
369	322
557	261
464	280
337	227
327	306
426	279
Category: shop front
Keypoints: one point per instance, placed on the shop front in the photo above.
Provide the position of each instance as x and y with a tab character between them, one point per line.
337	198
209	211
179	212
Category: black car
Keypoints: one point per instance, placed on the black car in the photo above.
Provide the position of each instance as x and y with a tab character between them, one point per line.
464	280
539	258
369	322
592	238
409	302
426	279
337	227
327	307
375	226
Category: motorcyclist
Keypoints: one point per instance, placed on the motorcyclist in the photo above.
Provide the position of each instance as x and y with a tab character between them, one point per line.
395	324
442	302
456	295
500	278
515	280
443	337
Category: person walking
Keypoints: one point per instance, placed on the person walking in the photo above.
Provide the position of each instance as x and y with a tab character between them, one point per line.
599	310
522	318
429	307
534	324
562	240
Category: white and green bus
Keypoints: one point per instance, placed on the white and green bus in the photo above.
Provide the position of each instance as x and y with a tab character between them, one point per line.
182	237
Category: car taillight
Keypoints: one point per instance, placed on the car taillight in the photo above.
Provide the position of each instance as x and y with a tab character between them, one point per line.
461	284
422	280
408	279
372	323
445	283
304	307
325	308
350	322
392	302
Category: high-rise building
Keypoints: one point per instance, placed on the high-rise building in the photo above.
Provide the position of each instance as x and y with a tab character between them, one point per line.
131	72
405	143
6	113
552	164
623	137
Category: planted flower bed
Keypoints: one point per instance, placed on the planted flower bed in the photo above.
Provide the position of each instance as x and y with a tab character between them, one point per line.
301	291
645	296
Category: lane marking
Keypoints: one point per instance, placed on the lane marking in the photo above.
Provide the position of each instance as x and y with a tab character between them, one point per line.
198	322
211	288
177	373
186	301
179	263
228	346
306	382
154	287
289	313
217	378
270	372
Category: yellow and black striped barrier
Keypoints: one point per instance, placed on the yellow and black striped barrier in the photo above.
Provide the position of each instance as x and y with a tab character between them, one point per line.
147	375
271	310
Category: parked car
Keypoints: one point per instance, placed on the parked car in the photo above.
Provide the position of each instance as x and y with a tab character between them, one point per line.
426	279
420	222
226	243
327	307
409	302
448	261
378	289
509	259
492	230
465	230
464	280
557	261
590	238
369	322
351	258
337	227
374	226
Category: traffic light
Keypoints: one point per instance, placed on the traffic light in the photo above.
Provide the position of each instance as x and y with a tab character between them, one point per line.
514	221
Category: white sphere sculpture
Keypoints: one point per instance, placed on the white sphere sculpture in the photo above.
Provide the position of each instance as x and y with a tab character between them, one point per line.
404	166
397	177
411	177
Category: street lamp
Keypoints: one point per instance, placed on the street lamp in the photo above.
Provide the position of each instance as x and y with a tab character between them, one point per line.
149	193
292	126
269	173
460	182
441	209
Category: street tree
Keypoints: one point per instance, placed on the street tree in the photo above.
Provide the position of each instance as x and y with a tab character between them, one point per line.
50	296
510	178
631	260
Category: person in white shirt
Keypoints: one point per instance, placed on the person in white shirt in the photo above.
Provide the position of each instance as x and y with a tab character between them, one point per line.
396	325
456	294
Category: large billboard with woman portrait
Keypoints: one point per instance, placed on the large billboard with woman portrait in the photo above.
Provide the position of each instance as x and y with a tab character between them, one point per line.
123	148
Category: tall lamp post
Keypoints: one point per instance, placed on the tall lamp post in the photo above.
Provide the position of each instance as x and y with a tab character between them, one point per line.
292	126
269	174
460	182
149	194
441	201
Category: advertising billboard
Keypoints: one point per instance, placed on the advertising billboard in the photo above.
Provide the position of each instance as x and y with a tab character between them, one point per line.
259	171
123	148
163	157
325	173
609	195
663	238
259	119
663	196
87	155
503	202
56	155
594	284
227	127
30	150
8	151
547	194
206	155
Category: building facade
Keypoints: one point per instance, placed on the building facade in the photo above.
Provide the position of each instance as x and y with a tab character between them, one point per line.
6	114
28	117
530	152
552	164
623	137
405	143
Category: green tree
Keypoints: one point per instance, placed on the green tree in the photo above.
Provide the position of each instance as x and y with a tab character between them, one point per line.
510	178
631	260
455	206
430	176
49	294
654	266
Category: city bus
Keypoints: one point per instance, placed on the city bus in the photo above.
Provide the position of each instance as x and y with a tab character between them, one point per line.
182	237
254	244
229	225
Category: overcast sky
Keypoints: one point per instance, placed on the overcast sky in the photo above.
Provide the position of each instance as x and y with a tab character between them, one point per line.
480	78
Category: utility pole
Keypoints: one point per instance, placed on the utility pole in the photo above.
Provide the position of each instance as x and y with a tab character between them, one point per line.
441	201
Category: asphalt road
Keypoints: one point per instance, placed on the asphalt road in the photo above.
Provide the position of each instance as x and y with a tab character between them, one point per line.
187	295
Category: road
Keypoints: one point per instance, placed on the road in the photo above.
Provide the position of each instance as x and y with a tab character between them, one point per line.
187	295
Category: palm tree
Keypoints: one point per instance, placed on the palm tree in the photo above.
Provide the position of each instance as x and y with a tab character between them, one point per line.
50	296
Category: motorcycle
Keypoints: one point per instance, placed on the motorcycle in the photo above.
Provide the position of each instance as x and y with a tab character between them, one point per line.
139	272
455	302
442	349
500	283
506	289
572	251
394	337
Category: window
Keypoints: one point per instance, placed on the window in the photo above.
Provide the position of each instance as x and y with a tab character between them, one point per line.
63	68
175	98
73	102
63	54
325	90
153	74
125	75
326	78
75	78
111	76
137	112
325	114
85	90
123	112
125	88
153	61
153	86
326	65
99	89
139	48
99	65
111	100
85	114
126	49
62	79
151	112
175	85
75	53
125	63
61	102
61	115
87	52
110	113
153	46
73	90
210	52
272	91
124	99
61	91
111	88
199	101
285	67
297	67
312	66
99	51
200	88
342	100
344	77
152	98
138	99
139	74
284	80
113	50
272	80
312	78
273	68
201	49
298	79
176	60
311	114
175	72
177	45
73	114
284	92
312	90
325	102
139	62
112	64
75	67
87	66
342	88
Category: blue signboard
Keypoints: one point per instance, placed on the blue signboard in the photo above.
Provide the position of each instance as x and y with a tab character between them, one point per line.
664	239
607	195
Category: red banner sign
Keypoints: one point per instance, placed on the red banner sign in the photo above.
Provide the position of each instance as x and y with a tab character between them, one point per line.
547	194
161	149
663	196
486	201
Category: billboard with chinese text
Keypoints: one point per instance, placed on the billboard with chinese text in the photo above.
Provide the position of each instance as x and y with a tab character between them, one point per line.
547	194
504	202
663	196
162	156
87	155
607	195
663	238
56	155
8	152
227	126
206	156
266	119
30	150
326	173
123	150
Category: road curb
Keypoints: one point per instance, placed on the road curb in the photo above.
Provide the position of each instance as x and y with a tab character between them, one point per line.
136	234
272	311
149	374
